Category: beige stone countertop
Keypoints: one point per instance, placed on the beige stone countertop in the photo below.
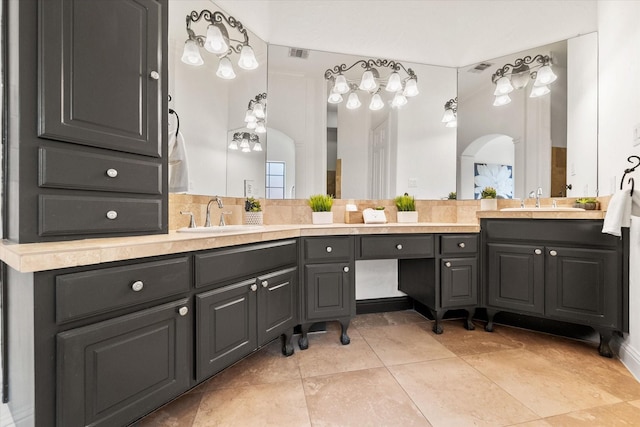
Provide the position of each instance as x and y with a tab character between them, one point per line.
533	214
32	257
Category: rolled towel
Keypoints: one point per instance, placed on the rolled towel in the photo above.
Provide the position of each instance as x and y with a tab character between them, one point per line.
618	213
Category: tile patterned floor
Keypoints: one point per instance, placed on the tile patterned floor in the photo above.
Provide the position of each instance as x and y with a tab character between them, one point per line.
396	372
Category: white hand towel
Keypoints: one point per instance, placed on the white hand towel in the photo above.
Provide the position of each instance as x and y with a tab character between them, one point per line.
635	203
618	213
178	164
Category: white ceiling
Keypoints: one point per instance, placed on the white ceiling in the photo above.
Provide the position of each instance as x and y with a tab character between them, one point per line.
450	33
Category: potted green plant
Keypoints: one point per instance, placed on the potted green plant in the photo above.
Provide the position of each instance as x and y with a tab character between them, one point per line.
406	205
452	196
252	211
488	201
321	208
587	203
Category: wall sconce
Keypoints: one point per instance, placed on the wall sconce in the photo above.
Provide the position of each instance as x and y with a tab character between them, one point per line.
517	76
244	141
256	115
217	41
372	82
450	117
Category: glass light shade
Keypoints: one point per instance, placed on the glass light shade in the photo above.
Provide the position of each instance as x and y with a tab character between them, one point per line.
341	86
334	97
245	142
258	110
537	91
503	86
395	83
520	77
233	145
398	100
353	101
215	42
257	146
246	149
451	124
260	127
501	100
448	116
191	53
252	125
247	59
545	76
225	69
376	103
249	116
411	88
368	82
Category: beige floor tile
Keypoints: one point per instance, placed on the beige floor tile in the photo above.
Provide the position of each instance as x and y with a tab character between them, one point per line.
267	365
463	342
536	423
538	383
274	404
385	319
449	392
369	397
621	414
399	344
178	413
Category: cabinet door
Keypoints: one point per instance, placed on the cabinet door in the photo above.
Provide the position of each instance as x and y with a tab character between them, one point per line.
277	304
459	282
225	326
99	73
111	372
329	291
583	285
515	277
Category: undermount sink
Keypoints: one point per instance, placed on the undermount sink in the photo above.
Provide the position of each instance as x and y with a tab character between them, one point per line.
219	230
543	209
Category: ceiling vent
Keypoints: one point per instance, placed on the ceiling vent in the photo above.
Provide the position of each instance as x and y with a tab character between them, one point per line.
480	67
298	53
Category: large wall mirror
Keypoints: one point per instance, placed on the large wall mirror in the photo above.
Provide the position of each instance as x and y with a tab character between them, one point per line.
547	142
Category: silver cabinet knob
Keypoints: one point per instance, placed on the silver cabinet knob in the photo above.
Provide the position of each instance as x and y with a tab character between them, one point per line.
137	286
537	251
265	284
112	173
112	214
399	246
254	287
553	253
183	311
461	245
154	75
329	249
447	264
346	269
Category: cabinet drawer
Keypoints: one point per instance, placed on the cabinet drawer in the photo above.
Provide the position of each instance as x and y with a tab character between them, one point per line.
89	292
328	249
456	244
63	168
224	265
396	246
63	215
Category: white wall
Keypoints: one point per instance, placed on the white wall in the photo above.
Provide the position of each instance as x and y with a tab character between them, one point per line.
619	112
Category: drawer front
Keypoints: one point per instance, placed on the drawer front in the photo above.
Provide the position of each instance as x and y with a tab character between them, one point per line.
458	244
224	265
328	249
396	246
62	168
63	215
90	292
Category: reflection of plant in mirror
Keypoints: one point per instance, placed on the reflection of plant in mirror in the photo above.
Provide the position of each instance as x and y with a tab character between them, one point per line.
405	203
498	177
321	202
488	193
452	196
379	208
252	205
583	200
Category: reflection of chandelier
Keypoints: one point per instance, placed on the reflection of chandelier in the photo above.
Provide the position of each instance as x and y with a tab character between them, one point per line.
517	76
372	82
256	115
243	141
217	41
450	117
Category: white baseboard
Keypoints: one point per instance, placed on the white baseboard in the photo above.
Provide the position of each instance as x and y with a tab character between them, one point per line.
629	356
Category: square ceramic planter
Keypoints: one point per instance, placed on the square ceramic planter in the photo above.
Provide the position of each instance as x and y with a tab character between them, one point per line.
407	216
322	217
488	204
253	218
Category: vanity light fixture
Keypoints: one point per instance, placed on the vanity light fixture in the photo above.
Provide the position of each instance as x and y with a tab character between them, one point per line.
256	115
517	75
450	117
246	142
217	41
402	86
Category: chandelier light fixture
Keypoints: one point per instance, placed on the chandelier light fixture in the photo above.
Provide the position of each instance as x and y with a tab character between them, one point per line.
217	41
450	117
517	75
245	142
401	82
256	115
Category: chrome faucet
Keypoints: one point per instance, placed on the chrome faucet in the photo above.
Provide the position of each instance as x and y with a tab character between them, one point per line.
538	194
222	214
207	221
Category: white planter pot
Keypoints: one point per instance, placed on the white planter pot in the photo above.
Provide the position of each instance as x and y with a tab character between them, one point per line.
488	204
407	216
253	218
322	217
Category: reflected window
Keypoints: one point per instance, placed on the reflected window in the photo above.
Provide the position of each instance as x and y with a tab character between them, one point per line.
275	180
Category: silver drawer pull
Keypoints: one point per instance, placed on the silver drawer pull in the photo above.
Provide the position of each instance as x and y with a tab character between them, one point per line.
265	284
461	245
254	287
537	251
137	286
183	311
112	214
447	264
329	249
553	253
399	246
154	75
346	269
112	173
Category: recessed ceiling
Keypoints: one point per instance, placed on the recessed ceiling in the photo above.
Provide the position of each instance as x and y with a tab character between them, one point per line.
450	33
